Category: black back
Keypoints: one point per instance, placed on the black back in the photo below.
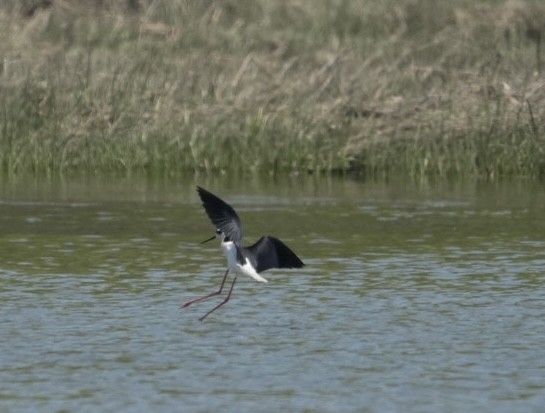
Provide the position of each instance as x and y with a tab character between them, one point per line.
222	215
270	252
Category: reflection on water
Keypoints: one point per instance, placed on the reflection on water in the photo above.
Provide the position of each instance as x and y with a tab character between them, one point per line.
420	299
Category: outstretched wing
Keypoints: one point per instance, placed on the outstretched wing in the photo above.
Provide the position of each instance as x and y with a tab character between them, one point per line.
270	252
222	215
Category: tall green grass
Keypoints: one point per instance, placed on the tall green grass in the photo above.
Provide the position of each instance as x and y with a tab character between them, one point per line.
422	87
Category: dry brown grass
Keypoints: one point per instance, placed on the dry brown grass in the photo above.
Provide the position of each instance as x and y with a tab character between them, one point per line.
418	87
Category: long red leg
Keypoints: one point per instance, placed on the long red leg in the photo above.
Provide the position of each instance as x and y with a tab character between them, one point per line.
196	300
220	304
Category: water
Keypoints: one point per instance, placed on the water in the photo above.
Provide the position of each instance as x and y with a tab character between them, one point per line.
425	298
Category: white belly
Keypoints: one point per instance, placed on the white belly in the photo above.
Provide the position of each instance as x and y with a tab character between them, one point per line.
230	251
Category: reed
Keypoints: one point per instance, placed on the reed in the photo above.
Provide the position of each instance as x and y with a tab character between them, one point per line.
423	88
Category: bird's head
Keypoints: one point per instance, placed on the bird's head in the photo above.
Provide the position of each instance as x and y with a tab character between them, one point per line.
219	234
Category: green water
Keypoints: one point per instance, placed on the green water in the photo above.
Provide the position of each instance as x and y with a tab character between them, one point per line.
415	298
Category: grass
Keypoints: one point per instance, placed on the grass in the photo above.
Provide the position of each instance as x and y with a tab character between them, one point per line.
421	87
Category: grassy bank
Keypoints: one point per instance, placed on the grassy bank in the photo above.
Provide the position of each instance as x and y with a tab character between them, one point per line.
418	87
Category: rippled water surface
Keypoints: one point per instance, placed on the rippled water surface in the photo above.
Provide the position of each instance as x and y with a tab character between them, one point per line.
427	298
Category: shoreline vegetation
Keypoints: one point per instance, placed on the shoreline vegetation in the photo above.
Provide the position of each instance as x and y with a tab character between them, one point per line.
418	88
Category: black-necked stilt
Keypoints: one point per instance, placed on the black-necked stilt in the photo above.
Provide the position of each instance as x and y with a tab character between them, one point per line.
268	252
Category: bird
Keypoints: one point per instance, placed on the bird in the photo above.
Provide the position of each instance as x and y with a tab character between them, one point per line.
268	252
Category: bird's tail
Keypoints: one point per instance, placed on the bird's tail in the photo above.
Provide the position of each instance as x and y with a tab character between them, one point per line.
248	270
257	277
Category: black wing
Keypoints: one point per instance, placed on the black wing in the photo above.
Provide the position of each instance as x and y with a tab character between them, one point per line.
222	215
270	252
